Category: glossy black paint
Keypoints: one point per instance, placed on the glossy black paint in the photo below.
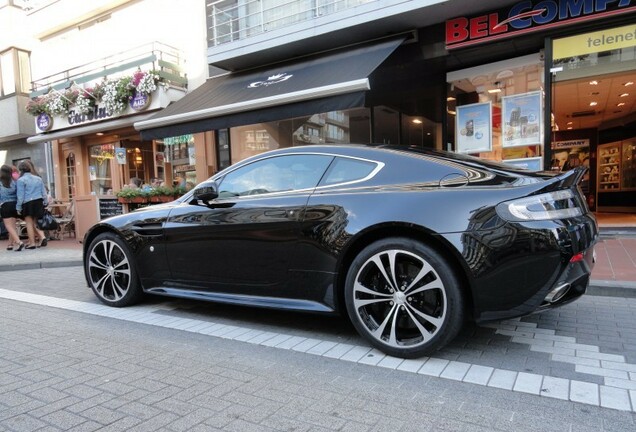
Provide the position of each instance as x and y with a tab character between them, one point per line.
293	249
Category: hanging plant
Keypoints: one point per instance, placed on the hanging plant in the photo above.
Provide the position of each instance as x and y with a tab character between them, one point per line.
117	93
38	105
113	93
84	102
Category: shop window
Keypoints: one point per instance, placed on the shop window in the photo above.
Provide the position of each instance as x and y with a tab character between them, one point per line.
418	131
386	125
223	148
180	154
100	170
495	111
343	126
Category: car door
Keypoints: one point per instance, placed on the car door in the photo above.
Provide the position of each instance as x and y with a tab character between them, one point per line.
241	242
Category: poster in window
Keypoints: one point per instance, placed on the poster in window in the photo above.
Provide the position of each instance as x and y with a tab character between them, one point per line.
159	159
521	122
92	173
473	128
120	155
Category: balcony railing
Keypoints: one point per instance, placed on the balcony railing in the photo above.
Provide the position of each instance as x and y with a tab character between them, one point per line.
232	20
165	60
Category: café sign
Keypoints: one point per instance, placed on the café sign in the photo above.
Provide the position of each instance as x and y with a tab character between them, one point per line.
529	16
46	123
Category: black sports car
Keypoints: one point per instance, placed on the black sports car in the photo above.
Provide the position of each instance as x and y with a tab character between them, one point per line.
409	243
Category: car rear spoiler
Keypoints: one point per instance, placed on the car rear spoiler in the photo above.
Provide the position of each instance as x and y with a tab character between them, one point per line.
565	180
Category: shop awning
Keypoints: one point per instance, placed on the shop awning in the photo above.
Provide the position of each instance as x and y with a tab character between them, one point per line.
328	82
103	126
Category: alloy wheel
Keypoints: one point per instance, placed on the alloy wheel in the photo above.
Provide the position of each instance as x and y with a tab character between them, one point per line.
400	299
109	270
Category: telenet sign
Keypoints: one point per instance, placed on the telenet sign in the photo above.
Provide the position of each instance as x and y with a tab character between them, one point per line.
598	41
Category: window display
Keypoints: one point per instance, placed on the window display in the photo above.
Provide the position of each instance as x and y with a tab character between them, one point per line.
497	110
628	171
616	166
99	170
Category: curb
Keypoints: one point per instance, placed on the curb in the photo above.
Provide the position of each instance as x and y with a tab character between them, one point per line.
41	265
611	288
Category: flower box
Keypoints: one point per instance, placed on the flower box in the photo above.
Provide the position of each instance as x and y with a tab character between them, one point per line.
132	200
161	198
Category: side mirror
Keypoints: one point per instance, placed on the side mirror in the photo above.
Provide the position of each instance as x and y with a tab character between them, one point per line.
206	191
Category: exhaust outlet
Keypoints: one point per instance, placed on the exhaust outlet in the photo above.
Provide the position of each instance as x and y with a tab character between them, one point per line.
557	293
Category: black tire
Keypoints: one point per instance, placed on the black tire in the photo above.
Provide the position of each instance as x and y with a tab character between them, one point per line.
404	298
110	271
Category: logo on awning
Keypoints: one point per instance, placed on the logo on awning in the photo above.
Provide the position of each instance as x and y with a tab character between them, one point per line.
274	79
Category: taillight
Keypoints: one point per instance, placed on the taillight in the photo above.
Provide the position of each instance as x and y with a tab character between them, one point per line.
553	205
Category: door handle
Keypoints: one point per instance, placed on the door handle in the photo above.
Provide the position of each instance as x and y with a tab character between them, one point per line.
276	213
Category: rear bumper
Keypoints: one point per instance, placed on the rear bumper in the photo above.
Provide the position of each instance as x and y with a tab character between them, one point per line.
573	282
544	265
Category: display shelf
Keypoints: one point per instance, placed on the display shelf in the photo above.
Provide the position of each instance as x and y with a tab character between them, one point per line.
609	172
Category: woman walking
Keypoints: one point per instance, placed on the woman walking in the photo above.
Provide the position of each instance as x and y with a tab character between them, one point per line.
40	235
8	201
31	201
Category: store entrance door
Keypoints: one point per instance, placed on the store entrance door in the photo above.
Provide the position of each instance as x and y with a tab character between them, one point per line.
594	121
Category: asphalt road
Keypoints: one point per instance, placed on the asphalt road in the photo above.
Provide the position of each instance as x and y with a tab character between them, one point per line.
69	363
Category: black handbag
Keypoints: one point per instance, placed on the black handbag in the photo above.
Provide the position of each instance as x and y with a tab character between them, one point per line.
48	222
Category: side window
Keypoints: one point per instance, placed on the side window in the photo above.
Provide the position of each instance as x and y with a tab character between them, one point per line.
345	170
276	174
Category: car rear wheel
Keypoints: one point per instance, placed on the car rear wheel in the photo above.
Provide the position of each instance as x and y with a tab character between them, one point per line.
403	297
110	271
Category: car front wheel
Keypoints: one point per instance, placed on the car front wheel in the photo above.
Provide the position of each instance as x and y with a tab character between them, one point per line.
404	298
110	271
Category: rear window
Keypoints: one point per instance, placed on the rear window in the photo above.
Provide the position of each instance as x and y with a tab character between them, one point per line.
344	170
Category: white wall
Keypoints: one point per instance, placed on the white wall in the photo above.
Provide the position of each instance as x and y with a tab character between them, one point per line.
59	44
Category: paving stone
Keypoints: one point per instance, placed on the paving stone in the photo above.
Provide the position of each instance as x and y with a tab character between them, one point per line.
528	383
555	387
615	398
478	374
584	392
503	379
433	367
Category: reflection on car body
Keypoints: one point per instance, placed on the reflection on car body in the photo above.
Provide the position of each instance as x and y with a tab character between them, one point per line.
408	243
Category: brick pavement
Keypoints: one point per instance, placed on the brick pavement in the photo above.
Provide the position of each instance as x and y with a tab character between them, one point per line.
63	370
544	354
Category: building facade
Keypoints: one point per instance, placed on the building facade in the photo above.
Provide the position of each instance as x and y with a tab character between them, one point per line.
96	68
16	125
540	84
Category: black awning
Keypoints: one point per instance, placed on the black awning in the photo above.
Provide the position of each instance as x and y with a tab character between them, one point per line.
328	82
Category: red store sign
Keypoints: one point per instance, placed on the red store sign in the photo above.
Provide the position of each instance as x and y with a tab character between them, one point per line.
529	16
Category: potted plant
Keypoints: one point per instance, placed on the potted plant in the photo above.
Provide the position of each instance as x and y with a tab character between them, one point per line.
130	195
161	194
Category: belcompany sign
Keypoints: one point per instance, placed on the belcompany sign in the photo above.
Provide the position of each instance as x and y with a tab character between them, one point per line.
529	16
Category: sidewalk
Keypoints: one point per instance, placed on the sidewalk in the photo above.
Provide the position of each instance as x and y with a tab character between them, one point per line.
58	253
614	273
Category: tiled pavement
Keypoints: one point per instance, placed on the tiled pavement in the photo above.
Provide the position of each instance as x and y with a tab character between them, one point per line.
69	371
583	352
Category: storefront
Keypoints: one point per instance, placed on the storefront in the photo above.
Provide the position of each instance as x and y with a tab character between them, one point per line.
542	85
570	103
96	151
